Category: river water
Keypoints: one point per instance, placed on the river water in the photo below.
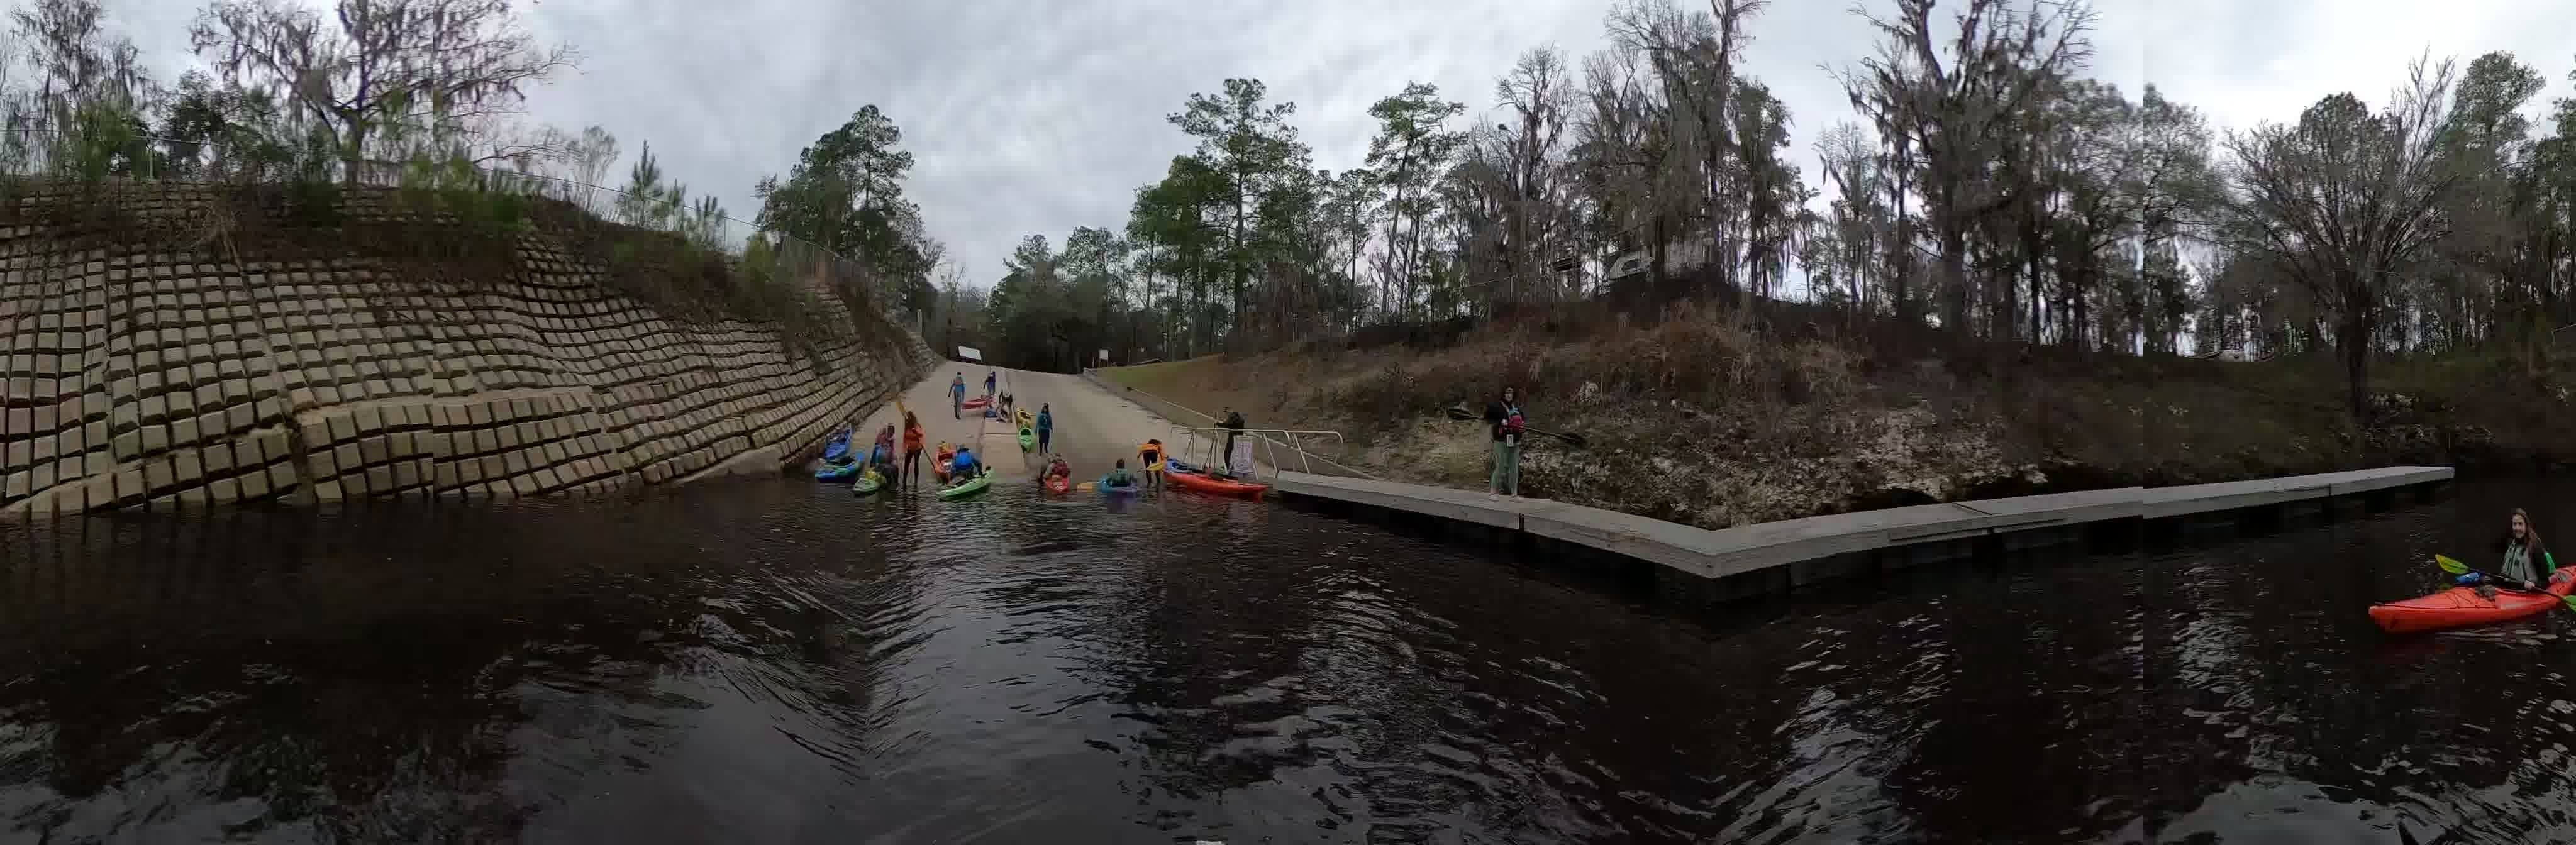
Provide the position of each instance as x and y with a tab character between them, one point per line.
768	661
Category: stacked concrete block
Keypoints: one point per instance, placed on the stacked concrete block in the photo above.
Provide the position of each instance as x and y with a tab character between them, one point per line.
141	380
513	447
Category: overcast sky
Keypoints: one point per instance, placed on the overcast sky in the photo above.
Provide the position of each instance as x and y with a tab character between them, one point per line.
1037	116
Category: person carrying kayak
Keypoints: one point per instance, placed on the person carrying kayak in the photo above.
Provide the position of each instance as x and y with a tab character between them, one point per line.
1150	456
957	395
2526	563
1504	415
963	468
912	436
1118	476
1046	426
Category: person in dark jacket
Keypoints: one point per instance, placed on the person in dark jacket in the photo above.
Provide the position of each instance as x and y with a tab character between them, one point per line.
2525	563
1503	416
1233	429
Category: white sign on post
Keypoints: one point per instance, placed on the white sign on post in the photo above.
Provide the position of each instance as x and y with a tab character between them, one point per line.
1104	355
969	353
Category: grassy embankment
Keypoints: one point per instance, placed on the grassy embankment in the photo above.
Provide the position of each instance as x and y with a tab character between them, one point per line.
1712	421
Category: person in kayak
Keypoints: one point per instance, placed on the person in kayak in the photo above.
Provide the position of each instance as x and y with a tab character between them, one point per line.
881	456
957	395
963	468
2526	563
1057	469
912	436
1503	416
1046	426
940	460
1118	476
1150	456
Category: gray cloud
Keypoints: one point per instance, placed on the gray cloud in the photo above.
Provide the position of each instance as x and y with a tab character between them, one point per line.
1037	117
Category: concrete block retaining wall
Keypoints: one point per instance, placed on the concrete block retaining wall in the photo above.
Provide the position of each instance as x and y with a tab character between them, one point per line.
171	381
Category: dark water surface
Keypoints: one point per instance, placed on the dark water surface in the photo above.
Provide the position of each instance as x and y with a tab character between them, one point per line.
773	662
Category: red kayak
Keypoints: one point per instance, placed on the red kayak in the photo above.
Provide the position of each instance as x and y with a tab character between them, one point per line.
977	402
1058	483
2460	607
1215	486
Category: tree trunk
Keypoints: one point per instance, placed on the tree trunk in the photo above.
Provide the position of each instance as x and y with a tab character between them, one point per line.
2356	359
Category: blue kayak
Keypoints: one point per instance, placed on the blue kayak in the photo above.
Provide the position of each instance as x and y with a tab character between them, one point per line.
837	450
837	472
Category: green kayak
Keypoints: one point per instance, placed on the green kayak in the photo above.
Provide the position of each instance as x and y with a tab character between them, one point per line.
868	483
1028	440
969	488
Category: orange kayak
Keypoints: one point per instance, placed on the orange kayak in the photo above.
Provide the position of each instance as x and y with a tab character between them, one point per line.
2460	607
1216	486
1058	483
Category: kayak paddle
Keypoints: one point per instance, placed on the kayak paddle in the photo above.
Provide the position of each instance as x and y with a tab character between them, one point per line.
2457	568
1572	439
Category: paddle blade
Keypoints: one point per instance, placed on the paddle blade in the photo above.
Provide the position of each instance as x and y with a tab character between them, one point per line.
2569	601
1087	486
1463	415
2451	566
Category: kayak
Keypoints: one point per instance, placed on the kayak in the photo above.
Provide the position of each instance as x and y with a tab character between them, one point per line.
1028	439
977	402
1058	483
1216	486
969	488
837	450
2459	607
837	472
1118	489
867	483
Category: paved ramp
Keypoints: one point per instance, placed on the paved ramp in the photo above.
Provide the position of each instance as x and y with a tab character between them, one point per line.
1092	427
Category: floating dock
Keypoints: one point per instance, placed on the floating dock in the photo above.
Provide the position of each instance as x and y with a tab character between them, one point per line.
1771	556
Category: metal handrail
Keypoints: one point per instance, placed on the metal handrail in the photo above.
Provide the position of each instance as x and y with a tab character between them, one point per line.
1305	459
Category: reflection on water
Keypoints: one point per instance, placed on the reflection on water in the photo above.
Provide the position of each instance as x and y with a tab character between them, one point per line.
769	661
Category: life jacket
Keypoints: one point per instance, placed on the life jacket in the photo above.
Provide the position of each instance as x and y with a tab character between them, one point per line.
1152	455
912	439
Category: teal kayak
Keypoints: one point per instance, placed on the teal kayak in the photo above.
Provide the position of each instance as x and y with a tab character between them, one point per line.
867	483
837	472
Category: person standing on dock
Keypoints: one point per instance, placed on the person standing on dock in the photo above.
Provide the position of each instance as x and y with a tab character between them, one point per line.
1504	415
957	395
991	378
1238	452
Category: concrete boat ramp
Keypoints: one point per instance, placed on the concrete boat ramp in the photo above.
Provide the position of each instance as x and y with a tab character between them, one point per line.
1774	556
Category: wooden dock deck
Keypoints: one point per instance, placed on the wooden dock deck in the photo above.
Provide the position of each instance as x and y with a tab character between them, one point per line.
1798	551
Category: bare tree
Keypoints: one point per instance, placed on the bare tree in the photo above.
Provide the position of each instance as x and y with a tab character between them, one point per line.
449	66
2345	200
1947	102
